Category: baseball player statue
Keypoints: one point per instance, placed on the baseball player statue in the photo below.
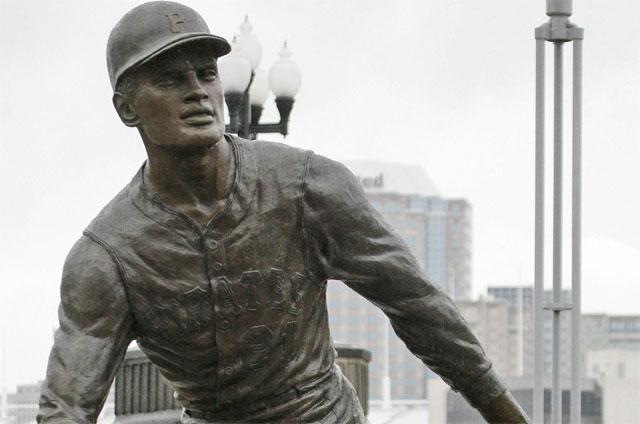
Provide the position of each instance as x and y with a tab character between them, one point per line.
215	259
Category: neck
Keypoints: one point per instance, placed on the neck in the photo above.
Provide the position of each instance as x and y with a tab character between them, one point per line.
186	176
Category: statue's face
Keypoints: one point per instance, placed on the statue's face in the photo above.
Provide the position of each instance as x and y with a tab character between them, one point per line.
178	99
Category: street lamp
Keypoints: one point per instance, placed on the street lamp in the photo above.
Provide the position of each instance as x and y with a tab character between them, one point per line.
246	87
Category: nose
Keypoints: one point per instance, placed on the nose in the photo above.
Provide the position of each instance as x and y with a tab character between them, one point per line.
195	90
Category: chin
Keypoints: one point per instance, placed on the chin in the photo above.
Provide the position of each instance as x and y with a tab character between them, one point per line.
202	137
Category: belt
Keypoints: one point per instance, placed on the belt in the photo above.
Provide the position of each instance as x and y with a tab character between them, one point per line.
251	406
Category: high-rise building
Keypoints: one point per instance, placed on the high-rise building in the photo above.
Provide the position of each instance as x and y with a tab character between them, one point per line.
438	233
437	230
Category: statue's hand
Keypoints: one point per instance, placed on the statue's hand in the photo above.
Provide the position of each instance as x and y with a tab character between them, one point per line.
504	409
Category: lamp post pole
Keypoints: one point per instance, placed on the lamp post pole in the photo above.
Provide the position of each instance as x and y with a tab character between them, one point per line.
246	87
244	130
558	30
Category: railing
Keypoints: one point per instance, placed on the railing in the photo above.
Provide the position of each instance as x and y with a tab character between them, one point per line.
140	388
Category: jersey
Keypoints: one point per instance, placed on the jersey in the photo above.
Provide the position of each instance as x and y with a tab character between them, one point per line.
234	313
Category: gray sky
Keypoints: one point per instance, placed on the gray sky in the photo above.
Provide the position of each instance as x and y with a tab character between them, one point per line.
445	84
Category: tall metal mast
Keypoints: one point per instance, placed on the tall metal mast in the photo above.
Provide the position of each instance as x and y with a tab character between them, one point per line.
3	399
558	30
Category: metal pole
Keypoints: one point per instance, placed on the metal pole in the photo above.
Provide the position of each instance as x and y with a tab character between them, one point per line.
3	400
558	30
538	375
576	236
520	371
386	380
556	390
245	112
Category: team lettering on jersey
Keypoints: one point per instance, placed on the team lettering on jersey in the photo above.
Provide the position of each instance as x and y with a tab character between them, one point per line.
275	291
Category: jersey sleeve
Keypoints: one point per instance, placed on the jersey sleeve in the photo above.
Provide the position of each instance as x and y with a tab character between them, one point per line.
348	240
94	333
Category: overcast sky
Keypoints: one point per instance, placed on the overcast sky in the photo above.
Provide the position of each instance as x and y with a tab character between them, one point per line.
445	84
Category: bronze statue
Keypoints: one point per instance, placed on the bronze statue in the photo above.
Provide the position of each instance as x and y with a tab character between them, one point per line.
216	256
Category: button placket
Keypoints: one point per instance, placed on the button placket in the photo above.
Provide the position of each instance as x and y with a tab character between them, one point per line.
215	257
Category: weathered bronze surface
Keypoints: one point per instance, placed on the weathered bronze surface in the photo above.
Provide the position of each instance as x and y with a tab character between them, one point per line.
216	256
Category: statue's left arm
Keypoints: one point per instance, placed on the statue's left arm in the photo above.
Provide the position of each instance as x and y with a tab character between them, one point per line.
348	240
96	326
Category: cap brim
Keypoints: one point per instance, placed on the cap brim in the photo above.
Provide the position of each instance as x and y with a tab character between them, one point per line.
219	47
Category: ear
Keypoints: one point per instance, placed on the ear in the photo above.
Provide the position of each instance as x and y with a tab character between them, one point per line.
125	110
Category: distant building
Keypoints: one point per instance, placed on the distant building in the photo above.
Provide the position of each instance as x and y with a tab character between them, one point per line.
601	331
22	406
618	373
503	323
448	407
25	394
437	230
520	327
598	331
520	300
489	321
399	414
438	233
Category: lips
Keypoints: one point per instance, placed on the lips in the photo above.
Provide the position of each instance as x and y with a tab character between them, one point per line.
200	116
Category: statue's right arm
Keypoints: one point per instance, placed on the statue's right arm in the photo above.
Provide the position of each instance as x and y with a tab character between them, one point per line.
348	240
96	326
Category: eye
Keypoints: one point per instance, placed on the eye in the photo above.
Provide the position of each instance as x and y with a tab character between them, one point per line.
209	74
166	80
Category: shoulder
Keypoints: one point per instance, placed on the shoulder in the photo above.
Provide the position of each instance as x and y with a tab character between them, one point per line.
275	157
274	150
117	217
275	170
330	181
91	281
329	171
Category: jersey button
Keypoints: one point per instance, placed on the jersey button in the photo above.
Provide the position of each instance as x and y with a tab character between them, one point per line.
228	371
212	244
217	266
